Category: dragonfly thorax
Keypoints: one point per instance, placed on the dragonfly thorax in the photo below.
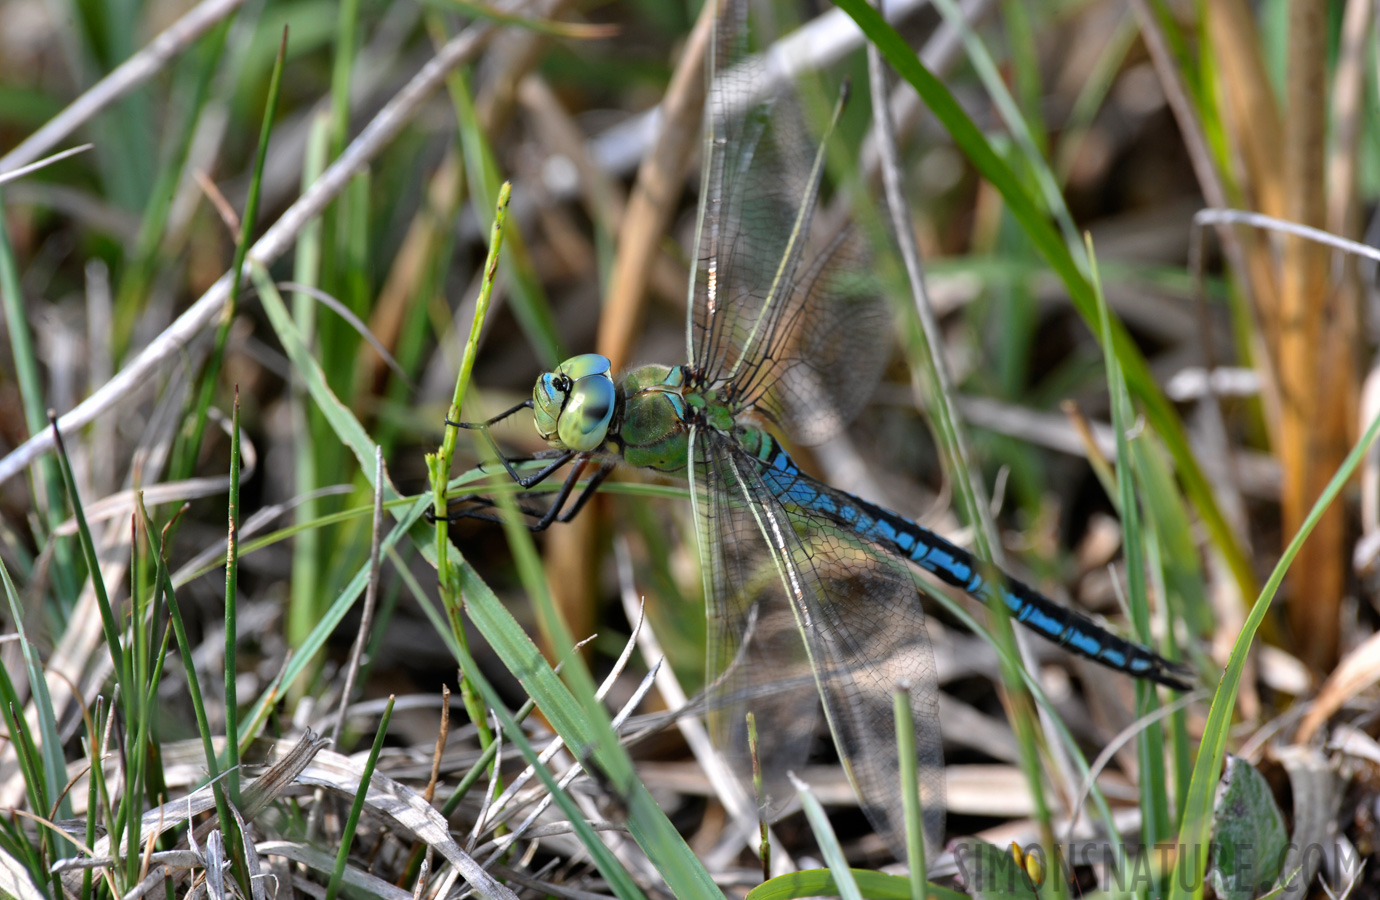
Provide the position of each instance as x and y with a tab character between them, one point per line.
653	428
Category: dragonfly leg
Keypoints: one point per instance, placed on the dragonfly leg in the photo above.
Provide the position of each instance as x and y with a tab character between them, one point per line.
526	404
553	513
544	517
595	480
560	459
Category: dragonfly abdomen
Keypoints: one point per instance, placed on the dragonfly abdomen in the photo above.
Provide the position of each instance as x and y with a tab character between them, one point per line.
957	567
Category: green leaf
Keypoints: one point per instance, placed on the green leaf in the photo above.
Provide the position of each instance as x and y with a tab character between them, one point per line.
820	883
1249	838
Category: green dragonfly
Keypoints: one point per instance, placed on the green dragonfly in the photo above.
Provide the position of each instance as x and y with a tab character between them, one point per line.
811	602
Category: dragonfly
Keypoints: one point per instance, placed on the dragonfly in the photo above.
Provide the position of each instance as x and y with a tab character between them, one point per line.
811	600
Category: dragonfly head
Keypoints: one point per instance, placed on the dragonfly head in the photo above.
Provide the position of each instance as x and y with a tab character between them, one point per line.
574	404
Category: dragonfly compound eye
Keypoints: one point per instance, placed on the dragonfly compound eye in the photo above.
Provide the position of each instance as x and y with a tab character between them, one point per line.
584	423
573	405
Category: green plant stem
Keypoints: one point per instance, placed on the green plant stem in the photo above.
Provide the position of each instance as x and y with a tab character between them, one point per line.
451	596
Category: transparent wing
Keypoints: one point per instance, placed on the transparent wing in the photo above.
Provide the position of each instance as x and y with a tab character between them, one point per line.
789	593
793	319
757	661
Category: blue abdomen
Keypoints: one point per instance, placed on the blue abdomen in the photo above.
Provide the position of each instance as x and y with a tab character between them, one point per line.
955	566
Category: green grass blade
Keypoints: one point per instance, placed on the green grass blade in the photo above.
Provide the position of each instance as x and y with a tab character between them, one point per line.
26	372
910	792
54	762
132	294
306	594
1196	819
1057	254
583	722
232	570
827	840
1154	791
347	835
820	883
108	621
529	301
186	451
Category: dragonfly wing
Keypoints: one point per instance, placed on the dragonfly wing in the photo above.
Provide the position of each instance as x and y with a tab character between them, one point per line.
794	318
855	621
757	662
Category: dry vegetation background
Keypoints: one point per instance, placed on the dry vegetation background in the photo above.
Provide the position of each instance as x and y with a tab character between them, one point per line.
1248	356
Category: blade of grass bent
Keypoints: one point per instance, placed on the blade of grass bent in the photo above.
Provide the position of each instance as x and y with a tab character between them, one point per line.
1197	816
580	724
1047	241
189	444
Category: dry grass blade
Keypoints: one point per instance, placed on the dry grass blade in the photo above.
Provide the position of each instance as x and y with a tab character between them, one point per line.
322	862
380	131
408	809
1317	388
132	73
1358	670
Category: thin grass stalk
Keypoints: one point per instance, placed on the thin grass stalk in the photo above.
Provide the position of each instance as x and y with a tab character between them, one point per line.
30	381
232	577
25	750
763	839
305	592
342	64
1149	744
186	451
185	652
954	445
357	807
1046	240
910	793
109	623
54	764
366	619
451	597
92	799
131	296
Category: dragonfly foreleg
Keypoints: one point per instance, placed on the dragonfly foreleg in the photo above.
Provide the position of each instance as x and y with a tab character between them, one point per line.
526	404
559	459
